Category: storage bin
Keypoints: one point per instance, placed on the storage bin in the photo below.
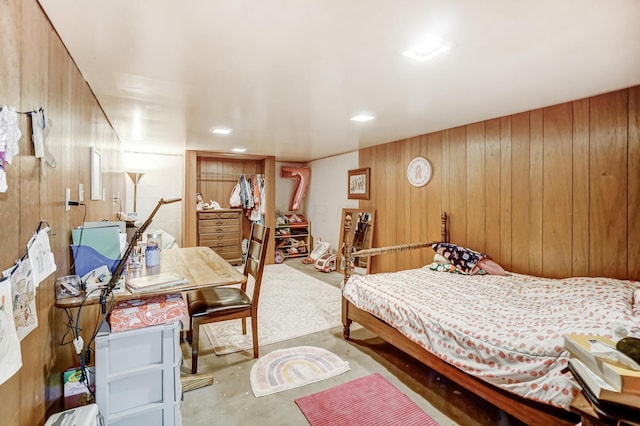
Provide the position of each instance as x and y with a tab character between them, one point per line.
138	376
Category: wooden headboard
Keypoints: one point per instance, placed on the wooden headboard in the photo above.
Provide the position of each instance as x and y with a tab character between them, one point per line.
349	254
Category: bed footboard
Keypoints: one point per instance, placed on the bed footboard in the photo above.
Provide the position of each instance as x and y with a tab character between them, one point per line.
530	412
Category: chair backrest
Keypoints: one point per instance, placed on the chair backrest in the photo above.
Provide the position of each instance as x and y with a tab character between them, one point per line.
256	255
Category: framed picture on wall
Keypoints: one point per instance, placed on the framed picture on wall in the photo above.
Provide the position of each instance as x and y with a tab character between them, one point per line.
358	184
96	175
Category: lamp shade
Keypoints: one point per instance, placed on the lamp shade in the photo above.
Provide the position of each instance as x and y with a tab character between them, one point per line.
135	178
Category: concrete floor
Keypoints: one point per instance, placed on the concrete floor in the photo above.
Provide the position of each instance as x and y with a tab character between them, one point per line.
230	400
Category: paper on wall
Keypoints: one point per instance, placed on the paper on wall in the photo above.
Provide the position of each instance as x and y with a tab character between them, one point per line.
10	356
40	256
23	297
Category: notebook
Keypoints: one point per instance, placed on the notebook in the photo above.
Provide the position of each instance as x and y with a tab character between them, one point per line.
155	282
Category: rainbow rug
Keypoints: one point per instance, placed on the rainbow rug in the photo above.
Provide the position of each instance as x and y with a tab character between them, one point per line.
290	368
369	400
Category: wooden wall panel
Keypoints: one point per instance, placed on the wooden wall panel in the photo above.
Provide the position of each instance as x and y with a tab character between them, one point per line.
458	185
505	195
402	192
434	200
391	227
535	192
492	205
446	164
475	186
415	202
557	184
36	71
608	185
379	180
424	203
580	192
217	176
552	192
520	197
633	180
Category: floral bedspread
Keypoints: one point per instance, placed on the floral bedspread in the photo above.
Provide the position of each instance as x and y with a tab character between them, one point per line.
506	330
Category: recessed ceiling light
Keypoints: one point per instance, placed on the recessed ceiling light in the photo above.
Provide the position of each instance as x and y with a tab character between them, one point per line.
239	149
362	117
220	131
431	47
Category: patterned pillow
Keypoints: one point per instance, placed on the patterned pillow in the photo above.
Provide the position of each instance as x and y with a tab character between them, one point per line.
463	258
449	267
444	267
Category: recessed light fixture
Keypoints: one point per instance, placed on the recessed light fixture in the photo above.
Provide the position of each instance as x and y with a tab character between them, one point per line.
220	131
239	149
431	47
362	118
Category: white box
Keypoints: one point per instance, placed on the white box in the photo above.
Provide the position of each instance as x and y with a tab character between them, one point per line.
87	415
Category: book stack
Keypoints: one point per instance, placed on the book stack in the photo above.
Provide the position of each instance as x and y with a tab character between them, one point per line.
610	387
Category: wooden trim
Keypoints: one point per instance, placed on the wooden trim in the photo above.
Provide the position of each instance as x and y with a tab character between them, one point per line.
189	219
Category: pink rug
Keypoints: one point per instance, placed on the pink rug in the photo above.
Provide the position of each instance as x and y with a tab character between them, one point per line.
369	400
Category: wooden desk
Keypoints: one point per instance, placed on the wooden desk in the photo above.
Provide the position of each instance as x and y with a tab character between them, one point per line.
201	266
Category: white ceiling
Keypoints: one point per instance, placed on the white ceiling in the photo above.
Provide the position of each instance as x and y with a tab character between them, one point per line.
287	75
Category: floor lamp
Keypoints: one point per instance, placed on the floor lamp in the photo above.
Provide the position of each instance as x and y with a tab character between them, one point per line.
135	178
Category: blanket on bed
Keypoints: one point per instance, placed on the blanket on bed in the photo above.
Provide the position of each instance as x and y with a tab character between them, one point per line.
506	330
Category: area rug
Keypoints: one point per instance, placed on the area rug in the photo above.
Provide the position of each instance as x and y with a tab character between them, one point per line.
289	368
292	304
369	400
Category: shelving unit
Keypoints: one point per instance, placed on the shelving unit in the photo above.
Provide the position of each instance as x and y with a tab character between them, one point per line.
293	239
138	376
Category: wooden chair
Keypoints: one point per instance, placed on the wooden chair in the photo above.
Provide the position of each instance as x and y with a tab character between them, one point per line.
226	303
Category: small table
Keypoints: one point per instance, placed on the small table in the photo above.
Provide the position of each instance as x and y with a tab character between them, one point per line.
201	266
590	417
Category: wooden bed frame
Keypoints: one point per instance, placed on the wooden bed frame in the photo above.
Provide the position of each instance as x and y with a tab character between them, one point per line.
530	412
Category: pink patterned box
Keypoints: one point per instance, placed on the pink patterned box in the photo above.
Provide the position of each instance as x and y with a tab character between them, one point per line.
137	313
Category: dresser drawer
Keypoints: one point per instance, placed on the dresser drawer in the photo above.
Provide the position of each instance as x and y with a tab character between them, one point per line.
228	252
217	226
219	215
219	240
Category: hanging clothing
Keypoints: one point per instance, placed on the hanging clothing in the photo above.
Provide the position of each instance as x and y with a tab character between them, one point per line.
249	193
255	210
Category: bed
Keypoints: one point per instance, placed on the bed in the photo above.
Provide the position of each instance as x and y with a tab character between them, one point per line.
510	352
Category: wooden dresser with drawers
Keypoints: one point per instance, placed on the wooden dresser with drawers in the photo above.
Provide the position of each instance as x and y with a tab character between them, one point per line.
222	231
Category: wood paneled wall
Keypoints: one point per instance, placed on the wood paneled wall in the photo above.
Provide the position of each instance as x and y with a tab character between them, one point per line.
36	71
552	192
218	176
